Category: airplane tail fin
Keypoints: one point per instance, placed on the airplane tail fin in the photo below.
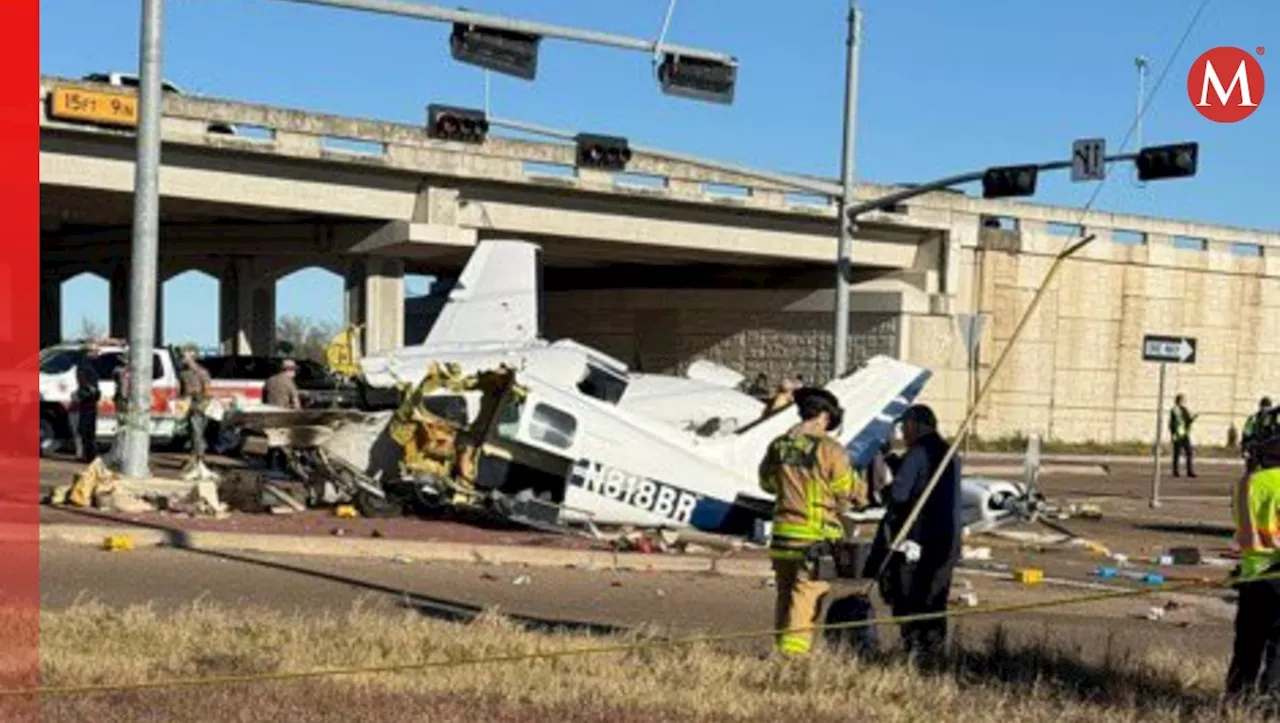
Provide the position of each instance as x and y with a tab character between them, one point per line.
497	299
872	398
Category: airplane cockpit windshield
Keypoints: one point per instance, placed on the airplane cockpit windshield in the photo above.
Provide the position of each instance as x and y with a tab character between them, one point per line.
603	384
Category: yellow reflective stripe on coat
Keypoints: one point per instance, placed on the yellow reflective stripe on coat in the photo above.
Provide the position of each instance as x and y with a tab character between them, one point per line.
1257	508
796	532
794	644
843	484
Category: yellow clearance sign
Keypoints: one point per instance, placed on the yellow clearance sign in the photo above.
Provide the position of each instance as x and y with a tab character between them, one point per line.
94	106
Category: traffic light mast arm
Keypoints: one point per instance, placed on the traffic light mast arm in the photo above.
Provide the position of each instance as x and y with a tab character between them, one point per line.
890	199
812	185
447	15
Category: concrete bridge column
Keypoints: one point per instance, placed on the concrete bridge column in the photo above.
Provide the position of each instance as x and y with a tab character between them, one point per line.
118	314
375	300
50	309
247	313
118	326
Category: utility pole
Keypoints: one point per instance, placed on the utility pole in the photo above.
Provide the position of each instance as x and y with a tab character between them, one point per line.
1155	449
1140	63
848	224
146	222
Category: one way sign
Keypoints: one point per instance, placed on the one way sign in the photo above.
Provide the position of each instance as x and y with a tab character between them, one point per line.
1169	349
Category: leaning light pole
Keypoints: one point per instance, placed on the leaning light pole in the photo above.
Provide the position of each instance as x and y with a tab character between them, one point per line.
146	221
844	261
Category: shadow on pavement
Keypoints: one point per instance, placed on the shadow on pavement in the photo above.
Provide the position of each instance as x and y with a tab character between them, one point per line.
434	607
1207	529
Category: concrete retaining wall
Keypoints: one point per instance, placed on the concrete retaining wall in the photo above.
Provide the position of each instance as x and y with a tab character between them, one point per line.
1077	373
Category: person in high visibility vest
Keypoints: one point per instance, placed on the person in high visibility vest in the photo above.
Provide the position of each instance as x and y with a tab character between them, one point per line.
1180	420
1255	660
1250	430
813	483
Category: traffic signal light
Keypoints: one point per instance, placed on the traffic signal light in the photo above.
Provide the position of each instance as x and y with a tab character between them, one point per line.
697	78
502	51
1173	161
456	124
605	152
1005	181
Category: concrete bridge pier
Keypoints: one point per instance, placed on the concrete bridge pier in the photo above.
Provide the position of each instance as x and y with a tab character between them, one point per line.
375	301
50	309
247	309
118	313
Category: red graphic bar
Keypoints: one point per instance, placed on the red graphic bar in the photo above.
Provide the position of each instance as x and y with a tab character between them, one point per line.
19	352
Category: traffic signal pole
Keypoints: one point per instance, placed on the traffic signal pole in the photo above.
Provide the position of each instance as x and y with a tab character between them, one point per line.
446	15
844	262
135	463
800	183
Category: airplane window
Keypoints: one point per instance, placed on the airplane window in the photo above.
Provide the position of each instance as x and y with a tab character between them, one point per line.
603	385
552	426
449	407
509	418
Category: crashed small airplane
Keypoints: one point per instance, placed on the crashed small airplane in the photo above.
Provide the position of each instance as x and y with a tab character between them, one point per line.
557	434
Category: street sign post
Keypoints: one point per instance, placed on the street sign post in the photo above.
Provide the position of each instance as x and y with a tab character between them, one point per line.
1088	159
970	328
1169	349
1164	350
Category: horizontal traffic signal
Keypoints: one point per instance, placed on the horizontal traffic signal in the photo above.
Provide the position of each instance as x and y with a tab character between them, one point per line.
1173	161
456	124
697	78
502	51
604	152
1006	181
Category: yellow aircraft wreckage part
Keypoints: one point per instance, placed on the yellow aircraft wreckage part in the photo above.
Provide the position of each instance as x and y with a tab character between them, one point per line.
439	447
341	353
116	543
1029	576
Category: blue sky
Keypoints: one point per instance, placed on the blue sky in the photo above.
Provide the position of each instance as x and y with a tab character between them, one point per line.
945	87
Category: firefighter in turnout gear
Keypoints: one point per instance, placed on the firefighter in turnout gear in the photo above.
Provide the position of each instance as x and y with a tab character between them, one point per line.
1255	661
1180	419
813	483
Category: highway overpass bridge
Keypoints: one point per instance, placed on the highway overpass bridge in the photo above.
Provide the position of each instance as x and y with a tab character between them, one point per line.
658	265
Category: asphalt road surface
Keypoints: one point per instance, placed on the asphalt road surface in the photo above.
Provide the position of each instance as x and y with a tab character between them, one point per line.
166	579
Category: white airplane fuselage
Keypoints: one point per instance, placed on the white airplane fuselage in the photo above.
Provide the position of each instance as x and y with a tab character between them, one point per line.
611	446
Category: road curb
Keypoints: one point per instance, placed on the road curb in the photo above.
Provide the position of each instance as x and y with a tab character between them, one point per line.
405	549
1093	459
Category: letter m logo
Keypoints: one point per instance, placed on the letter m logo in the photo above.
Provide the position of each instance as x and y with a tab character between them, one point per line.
1237	99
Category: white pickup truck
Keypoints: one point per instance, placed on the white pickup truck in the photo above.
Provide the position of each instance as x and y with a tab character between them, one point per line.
58	383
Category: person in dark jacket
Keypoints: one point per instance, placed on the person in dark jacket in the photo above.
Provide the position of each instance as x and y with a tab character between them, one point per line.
84	416
923	584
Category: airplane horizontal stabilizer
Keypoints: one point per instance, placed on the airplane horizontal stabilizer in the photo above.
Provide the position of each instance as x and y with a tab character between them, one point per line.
873	398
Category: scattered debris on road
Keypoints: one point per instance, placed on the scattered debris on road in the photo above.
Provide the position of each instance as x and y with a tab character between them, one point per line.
116	543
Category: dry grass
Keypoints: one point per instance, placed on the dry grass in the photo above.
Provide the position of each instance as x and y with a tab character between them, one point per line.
94	644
